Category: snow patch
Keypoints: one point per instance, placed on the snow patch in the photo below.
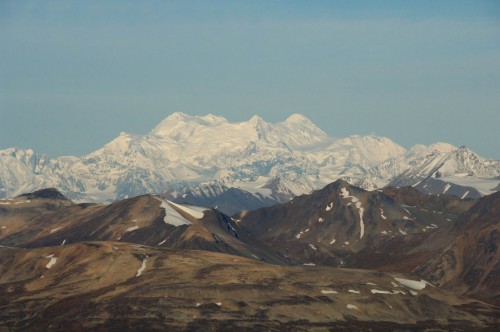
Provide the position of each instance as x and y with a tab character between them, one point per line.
382	214
130	229
351	306
329	207
194	211
328	291
162	242
353	291
172	217
414	284
320	220
52	261
63	243
376	291
332	241
312	246
309	264
345	194
465	195
55	230
142	268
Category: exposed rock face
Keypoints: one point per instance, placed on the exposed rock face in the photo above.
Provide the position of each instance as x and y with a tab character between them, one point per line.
342	225
470	264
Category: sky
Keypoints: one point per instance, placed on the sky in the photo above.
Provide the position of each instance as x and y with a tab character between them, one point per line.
74	74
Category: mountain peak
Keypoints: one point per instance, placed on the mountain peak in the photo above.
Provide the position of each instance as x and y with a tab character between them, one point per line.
297	118
176	116
48	193
256	119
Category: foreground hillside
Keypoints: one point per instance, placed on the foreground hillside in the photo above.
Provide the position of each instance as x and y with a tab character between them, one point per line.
122	286
341	258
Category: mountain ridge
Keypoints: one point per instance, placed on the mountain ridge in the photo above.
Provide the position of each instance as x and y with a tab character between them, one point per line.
185	151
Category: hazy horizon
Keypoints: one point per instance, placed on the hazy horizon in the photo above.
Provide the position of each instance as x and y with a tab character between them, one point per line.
73	75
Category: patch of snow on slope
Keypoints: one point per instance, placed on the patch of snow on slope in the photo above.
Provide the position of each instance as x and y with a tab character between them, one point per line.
172	217
446	188
329	207
52	261
345	194
312	247
382	214
418	285
194	211
328	291
55	230
130	229
376	291
142	268
464	195
351	306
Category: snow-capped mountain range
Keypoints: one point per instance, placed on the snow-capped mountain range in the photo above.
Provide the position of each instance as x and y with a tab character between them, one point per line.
202	157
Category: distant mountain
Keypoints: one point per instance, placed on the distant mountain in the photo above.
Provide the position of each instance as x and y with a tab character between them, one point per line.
246	165
460	172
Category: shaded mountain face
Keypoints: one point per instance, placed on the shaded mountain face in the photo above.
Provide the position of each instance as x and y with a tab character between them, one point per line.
146	220
470	264
342	225
437	187
225	199
112	285
265	162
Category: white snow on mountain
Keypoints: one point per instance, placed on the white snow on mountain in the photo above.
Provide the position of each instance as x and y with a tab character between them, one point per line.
210	155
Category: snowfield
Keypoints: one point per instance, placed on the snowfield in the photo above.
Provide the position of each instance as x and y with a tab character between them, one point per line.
275	161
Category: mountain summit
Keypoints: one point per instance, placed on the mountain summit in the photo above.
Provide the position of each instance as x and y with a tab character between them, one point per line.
269	162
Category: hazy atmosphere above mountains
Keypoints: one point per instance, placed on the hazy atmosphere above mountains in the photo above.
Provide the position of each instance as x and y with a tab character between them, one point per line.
73	74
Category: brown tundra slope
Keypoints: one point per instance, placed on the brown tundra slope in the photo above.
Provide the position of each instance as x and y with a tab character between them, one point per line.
147	220
121	286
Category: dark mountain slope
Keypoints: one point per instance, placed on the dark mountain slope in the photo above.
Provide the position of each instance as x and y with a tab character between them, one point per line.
470	264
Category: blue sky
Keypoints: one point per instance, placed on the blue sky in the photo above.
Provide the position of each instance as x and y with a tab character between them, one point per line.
73	74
